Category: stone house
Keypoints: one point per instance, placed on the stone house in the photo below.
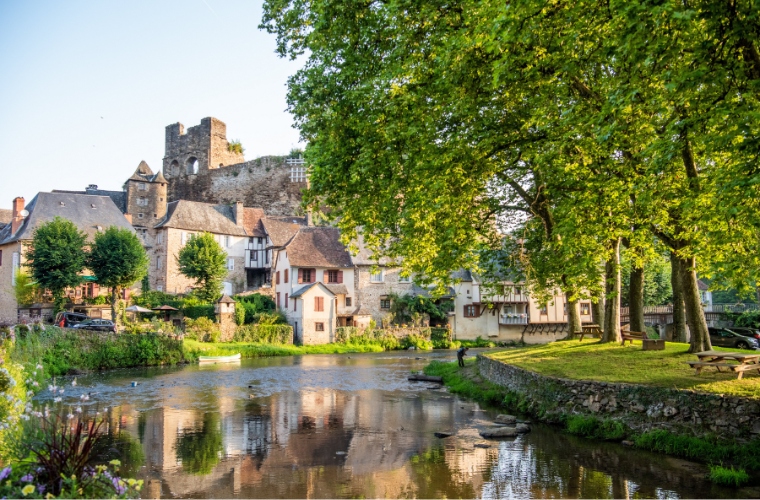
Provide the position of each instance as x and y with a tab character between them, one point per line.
313	314
89	213
508	313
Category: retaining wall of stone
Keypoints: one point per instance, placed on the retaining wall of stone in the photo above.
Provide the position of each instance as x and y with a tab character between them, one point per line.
640	407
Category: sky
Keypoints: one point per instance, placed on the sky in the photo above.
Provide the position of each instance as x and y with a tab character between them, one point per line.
88	87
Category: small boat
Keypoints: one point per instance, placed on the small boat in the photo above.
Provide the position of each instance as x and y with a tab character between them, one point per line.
219	359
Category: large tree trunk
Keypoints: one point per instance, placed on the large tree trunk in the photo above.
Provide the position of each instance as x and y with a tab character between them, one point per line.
695	316
573	317
597	309
612	309
679	316
636	299
114	301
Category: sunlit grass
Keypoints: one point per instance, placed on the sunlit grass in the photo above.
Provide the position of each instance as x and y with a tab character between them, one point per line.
611	362
250	350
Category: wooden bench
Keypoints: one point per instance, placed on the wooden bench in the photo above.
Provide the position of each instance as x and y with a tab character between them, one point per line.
631	336
592	330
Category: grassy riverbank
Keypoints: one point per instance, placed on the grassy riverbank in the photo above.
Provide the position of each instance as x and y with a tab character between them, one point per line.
590	360
718	453
263	350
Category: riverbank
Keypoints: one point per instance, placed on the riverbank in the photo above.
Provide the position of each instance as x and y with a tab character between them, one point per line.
248	350
545	402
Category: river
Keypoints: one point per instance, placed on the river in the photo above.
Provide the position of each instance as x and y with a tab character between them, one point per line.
342	426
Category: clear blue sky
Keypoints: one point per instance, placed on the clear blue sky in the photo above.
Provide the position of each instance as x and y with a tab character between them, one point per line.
87	87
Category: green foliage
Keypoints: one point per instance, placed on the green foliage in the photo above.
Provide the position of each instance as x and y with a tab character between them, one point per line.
354	336
145	284
254	305
295	152
57	257
478	342
262	333
457	384
408	309
99	300
256	350
200	311
153	299
200	450
417	341
23	290
591	427
61	350
239	315
204	260
749	319
235	147
657	287
202	329
728	476
118	260
707	449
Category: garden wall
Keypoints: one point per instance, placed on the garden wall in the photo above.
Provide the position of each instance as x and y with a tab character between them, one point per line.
640	407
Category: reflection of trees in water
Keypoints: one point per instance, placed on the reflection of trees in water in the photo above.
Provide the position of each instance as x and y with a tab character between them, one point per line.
435	478
122	446
200	450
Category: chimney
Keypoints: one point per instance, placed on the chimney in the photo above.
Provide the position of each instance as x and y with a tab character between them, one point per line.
128	217
237	212
18	219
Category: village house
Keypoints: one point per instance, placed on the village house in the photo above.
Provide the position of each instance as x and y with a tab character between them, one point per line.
507	312
89	213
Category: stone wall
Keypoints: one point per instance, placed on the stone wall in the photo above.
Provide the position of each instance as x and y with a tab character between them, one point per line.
640	407
369	293
8	304
264	182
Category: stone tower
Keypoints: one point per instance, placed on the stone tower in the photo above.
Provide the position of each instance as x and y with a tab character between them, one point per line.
146	196
203	148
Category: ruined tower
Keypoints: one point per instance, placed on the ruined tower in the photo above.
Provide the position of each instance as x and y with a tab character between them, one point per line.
203	148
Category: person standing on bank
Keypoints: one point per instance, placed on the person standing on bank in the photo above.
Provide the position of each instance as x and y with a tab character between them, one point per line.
461	353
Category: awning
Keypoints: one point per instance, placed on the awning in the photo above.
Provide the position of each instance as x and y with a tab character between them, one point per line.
137	309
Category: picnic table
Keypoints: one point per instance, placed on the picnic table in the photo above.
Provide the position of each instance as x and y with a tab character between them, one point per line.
590	330
720	359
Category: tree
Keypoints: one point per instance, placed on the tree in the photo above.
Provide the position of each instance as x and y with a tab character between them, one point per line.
118	260
204	260
56	257
24	289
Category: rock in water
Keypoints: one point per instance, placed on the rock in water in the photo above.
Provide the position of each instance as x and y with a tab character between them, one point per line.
505	420
442	435
498	432
482	445
522	428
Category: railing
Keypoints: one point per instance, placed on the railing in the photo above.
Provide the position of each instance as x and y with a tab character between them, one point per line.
736	308
506	320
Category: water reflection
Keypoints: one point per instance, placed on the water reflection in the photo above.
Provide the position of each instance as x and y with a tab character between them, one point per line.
334	426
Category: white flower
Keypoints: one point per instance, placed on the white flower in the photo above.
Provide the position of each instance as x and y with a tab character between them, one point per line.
35	384
51	388
57	400
29	393
60	391
79	409
74	383
39	367
69	416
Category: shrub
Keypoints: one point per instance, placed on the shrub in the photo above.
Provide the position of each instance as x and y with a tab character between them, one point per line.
235	147
268	334
200	311
239	315
749	319
202	329
591	427
417	341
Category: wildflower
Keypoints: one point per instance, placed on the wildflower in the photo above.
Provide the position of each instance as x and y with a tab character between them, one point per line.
74	383
49	496
79	409
36	384
4	473
115	462
57	400
69	416
60	391
28	489
39	367
41	488
34	373
29	393
51	388
26	478
118	484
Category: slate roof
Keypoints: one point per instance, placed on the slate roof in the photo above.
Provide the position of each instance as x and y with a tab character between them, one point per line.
418	290
252	221
226	299
119	197
279	232
298	293
145	174
5	216
197	216
86	211
318	247
360	311
337	289
462	274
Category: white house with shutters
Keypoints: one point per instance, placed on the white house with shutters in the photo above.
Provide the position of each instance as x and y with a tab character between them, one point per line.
314	255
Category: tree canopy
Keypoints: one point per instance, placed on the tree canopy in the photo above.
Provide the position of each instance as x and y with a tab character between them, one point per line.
204	260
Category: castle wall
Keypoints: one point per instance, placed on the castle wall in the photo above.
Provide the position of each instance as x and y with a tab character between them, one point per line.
264	182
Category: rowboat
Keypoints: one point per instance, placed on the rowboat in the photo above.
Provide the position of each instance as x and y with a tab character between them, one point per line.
219	359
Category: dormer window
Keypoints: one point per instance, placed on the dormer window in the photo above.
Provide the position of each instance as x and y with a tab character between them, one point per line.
63	204
92	205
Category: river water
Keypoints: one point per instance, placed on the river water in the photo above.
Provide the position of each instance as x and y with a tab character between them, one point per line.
344	426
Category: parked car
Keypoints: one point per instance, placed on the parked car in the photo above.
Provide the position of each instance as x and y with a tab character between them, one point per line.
98	325
747	332
722	337
69	319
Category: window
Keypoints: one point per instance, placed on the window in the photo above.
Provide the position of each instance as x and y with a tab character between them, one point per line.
306	275
385	303
295	304
139	216
286	301
266	257
254	255
470	311
348	301
542	310
319	327
376	277
585	308
319	304
403	279
79	292
183	237
142	187
230	264
142	201
228	241
332	276
158	262
564	308
192	165
261	240
155	216
277	278
15	265
517	290
286	276
160	288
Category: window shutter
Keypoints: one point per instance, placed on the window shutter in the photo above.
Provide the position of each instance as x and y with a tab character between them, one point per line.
286	301
277	278
286	276
300	275
313	276
95	290
340	276
316	303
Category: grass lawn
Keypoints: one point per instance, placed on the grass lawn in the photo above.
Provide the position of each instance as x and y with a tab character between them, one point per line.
249	350
590	360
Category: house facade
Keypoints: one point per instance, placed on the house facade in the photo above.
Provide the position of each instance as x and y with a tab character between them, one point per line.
313	314
91	214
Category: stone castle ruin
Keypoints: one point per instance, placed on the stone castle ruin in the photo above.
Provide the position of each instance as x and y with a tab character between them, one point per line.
199	165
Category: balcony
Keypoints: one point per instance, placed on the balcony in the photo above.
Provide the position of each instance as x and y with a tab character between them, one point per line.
258	262
514	319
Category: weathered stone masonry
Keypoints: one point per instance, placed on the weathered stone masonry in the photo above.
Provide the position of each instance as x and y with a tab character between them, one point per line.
640	407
